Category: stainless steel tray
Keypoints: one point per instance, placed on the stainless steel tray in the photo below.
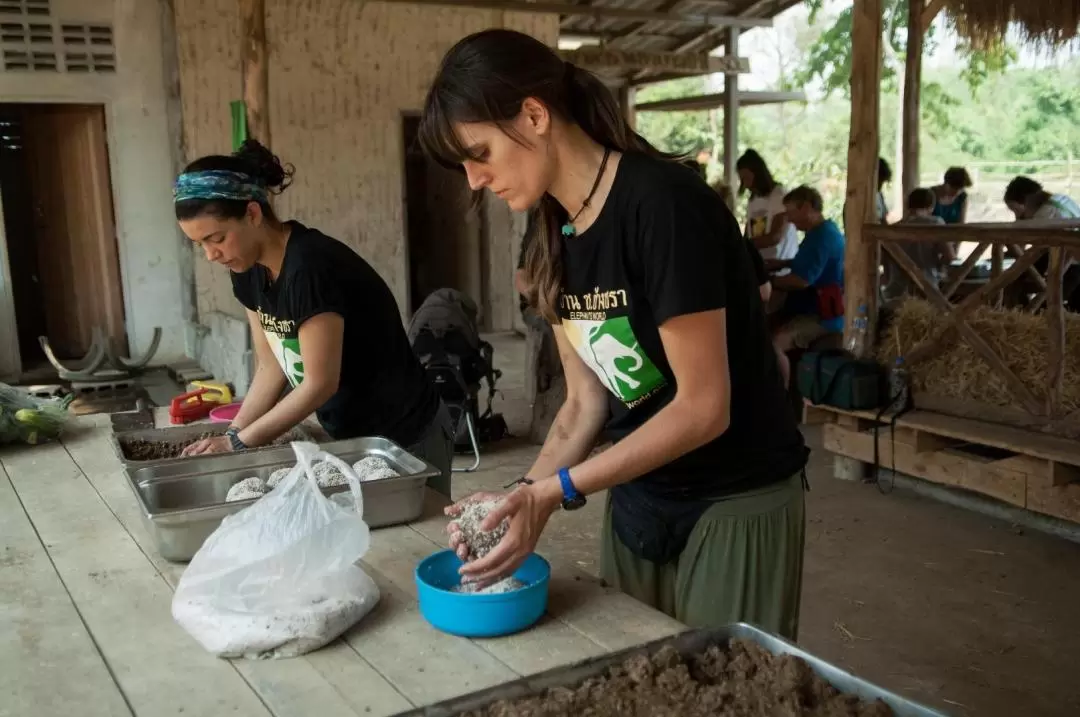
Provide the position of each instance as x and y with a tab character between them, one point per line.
183	502
186	433
687	643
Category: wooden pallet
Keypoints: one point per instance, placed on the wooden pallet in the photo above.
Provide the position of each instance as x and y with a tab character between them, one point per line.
1031	470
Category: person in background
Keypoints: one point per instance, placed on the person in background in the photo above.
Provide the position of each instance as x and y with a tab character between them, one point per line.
644	275
764	284
815	284
322	321
1027	199
884	176
766	225
950	197
933	258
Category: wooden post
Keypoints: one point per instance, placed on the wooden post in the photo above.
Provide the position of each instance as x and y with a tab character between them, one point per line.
255	69
861	260
861	256
912	89
627	103
731	111
1055	323
997	264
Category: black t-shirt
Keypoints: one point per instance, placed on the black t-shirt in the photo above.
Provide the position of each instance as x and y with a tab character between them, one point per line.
665	245
383	389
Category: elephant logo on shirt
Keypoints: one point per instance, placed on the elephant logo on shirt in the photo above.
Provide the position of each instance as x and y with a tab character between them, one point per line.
613	353
287	353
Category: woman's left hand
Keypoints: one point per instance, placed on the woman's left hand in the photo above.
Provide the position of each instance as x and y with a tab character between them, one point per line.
215	444
528	509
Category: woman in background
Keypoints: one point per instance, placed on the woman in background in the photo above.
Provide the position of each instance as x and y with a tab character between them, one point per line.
767	226
951	196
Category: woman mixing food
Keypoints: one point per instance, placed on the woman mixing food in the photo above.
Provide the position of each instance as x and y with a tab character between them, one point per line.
323	323
644	274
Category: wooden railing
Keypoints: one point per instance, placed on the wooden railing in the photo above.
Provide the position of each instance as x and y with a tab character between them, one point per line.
1026	243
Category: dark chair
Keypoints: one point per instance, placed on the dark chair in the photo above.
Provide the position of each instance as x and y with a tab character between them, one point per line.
463	403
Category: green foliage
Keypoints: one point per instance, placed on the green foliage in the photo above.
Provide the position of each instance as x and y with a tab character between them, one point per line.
1017	122
678	132
829	59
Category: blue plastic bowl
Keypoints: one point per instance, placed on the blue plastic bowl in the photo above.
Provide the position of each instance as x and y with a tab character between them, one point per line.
480	615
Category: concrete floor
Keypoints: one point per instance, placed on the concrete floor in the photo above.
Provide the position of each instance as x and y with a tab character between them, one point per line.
965	613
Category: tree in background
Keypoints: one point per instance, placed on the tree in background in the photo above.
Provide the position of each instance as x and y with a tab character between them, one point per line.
1025	121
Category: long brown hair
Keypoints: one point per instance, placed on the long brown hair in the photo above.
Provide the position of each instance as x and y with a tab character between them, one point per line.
485	78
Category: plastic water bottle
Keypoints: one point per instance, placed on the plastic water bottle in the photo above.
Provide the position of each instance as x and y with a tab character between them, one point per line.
859	326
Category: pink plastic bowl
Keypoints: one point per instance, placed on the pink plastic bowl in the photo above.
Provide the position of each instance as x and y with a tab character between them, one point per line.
224	414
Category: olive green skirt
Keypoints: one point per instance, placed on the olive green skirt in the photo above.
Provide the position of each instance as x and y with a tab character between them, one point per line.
743	562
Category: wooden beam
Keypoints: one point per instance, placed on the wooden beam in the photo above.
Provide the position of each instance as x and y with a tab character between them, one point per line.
596	11
965	269
719	99
909	173
628	105
861	256
1012	381
930	346
707	40
696	63
255	69
1055	326
997	263
928	13
1047	234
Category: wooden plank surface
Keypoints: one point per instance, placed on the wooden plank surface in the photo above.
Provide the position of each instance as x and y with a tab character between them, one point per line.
92	528
333	681
121	597
39	620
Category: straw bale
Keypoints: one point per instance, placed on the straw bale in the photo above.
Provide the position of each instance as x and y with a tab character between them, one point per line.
958	372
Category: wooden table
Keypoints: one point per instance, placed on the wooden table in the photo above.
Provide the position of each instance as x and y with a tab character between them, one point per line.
86	629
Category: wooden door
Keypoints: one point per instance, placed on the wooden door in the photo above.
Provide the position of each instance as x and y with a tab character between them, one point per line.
78	260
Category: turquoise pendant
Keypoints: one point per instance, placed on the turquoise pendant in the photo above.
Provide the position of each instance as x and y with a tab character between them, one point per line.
568	230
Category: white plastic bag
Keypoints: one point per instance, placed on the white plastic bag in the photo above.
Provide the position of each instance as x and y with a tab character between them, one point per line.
279	578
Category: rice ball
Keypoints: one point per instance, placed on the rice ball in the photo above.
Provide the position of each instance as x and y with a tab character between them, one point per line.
246	489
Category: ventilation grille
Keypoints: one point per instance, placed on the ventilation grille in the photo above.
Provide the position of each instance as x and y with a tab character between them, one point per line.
30	41
39	8
88	48
28	46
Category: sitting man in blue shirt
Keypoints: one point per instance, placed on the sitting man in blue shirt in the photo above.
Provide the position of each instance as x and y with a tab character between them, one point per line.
815	284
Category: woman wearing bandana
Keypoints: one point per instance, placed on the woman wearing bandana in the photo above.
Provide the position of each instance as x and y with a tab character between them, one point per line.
322	321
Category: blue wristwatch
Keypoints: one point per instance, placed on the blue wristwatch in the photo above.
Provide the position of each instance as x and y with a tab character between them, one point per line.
572	499
233	435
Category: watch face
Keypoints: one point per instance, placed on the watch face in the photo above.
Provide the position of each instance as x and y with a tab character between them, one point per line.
573	503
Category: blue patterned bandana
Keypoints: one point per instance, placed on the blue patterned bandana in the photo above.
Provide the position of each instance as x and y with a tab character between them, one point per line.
218	184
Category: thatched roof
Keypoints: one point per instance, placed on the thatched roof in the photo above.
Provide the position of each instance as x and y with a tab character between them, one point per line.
1040	22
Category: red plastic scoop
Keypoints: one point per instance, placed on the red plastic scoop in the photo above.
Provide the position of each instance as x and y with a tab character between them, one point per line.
191	406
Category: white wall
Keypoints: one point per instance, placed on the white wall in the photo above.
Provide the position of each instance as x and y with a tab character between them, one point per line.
140	160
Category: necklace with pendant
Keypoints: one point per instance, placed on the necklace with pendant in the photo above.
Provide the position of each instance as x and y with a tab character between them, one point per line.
568	229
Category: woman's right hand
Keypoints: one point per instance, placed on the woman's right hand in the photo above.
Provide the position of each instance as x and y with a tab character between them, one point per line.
457	541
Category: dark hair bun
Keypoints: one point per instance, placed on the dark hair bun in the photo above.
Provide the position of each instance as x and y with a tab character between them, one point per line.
264	166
